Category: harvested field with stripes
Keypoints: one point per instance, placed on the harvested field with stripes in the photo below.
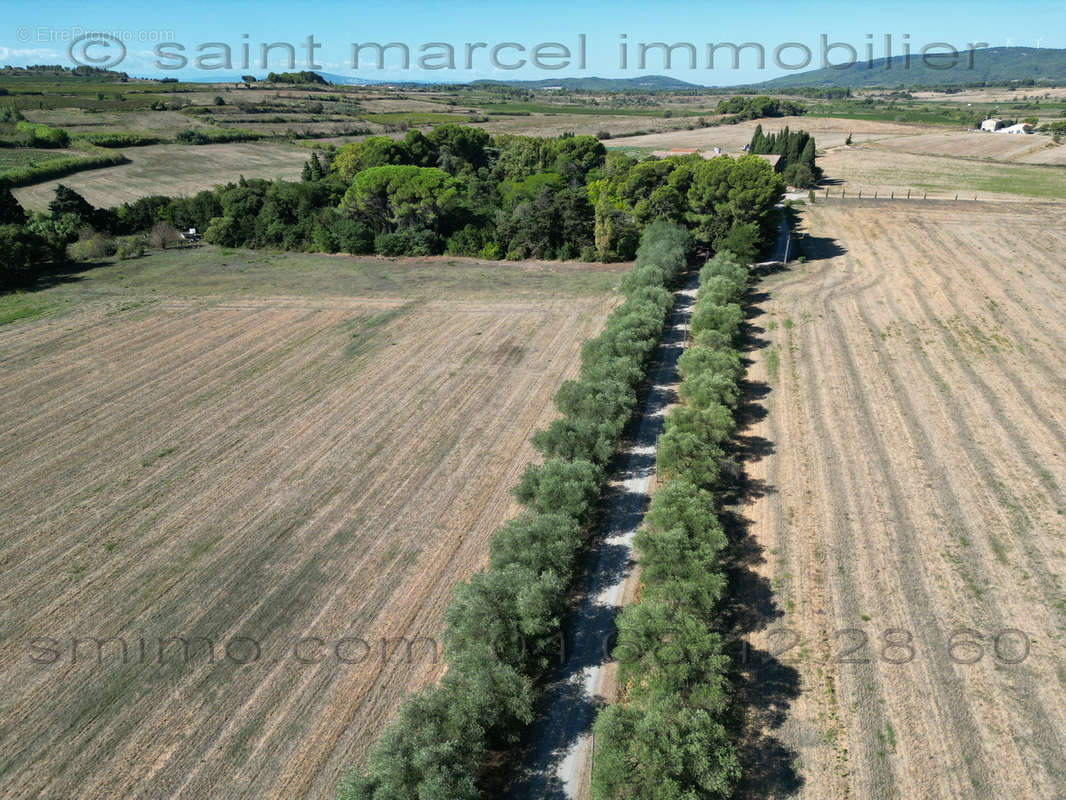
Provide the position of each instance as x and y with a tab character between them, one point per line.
911	521
289	478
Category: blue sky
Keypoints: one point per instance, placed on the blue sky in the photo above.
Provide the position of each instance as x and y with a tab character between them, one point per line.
32	33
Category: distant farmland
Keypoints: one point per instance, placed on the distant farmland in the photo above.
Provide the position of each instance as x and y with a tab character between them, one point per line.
320	458
174	169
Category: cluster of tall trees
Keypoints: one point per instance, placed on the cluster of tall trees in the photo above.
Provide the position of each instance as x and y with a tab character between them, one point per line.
667	738
797	152
460	191
727	203
31	244
503	626
744	108
302	77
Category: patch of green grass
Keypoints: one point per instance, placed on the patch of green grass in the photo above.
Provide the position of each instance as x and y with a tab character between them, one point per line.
772	363
216	272
151	459
240	746
19	307
367	329
1046	183
887	739
18	157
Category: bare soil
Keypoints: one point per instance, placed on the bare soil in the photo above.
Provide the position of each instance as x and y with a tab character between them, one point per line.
292	483
911	488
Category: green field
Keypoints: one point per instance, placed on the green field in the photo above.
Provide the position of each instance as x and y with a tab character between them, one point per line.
209	272
17	157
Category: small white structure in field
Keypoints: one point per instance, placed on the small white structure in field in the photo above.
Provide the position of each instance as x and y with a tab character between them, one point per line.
1021	127
191	235
991	125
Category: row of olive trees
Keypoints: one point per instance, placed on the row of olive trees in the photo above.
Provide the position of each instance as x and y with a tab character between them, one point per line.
667	738
503	625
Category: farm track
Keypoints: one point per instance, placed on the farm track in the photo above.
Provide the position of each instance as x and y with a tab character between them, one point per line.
917	416
236	468
557	753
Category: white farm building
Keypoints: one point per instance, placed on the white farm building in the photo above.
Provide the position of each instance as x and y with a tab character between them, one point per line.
997	126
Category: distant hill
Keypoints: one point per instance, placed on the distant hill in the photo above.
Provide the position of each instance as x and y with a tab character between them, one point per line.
338	80
991	66
644	83
355	80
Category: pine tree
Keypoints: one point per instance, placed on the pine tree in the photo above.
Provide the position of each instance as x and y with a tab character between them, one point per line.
67	201
11	212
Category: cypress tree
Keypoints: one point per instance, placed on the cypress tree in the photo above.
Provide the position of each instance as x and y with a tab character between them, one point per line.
758	141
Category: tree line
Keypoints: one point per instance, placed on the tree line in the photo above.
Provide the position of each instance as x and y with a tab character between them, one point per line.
666	738
503	625
454	190
744	108
17	131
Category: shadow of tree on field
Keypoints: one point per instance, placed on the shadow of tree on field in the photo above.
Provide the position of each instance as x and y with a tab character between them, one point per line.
818	248
54	276
765	684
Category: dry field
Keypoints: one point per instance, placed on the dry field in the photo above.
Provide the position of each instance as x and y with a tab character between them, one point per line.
991	94
581	124
1032	149
731	138
896	157
874	167
914	486
78	120
173	169
239	447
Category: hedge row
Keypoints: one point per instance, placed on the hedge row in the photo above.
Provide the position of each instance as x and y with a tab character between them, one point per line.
217	135
30	134
666	739
58	168
119	139
503	626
